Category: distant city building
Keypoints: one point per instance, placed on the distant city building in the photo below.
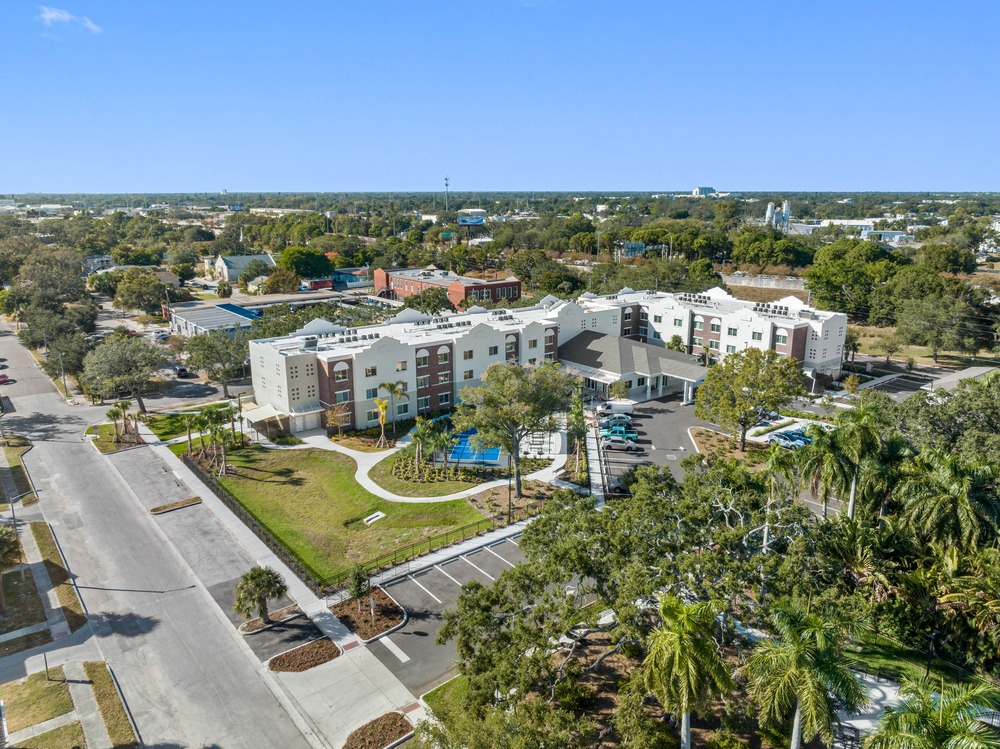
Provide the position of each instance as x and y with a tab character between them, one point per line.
703	192
603	339
781	219
399	284
199	318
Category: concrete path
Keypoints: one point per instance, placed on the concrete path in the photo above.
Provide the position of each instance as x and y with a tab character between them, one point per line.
86	707
19	737
30	630
54	616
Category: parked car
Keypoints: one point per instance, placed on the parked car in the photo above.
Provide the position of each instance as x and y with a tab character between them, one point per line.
159	335
615	442
616	486
615	420
616	407
765	414
4	378
620	431
785	441
181	371
797	434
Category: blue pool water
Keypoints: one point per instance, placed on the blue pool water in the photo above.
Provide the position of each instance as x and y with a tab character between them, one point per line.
463	451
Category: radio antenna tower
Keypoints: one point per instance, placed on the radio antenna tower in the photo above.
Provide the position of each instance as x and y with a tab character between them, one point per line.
446	193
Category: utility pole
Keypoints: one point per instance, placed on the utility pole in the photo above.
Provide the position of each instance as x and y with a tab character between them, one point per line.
446	194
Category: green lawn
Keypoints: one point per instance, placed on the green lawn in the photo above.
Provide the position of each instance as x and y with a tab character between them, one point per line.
33	700
381	474
310	501
24	607
109	705
167	426
879	652
448	698
69	736
13	449
104	438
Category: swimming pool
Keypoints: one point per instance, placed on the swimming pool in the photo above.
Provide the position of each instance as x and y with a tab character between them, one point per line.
463	451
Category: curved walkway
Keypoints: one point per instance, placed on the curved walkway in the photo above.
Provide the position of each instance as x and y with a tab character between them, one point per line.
365	461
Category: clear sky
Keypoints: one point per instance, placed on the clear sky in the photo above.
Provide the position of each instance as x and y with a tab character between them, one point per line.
332	95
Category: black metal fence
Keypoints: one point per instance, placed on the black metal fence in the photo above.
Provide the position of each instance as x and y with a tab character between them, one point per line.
330	585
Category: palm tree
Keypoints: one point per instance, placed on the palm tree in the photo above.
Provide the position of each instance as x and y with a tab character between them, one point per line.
422	436
860	432
395	390
951	501
683	665
114	413
443	441
189	420
255	589
10	554
801	673
826	465
933	718
383	408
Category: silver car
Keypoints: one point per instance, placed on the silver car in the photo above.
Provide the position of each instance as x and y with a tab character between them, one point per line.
614	442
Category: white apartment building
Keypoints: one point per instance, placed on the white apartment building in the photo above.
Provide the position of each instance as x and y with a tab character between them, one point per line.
297	377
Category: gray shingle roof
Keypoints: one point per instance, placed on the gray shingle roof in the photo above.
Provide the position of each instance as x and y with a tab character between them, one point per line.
622	355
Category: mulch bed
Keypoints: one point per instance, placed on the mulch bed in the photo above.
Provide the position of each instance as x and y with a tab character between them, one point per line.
307	656
387	614
379	733
493	502
281	615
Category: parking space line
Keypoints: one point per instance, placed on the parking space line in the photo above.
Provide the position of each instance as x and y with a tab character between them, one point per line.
511	540
479	568
394	649
424	589
438	568
499	557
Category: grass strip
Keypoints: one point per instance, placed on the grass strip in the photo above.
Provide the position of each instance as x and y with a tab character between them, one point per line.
69	736
109	705
24	607
180	503
104	439
13	448
877	652
448	699
33	699
65	591
25	643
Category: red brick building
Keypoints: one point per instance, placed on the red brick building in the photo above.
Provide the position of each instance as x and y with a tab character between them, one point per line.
399	284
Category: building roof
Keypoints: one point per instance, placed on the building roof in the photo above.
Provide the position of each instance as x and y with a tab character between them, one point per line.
950	381
622	356
239	263
437	277
215	317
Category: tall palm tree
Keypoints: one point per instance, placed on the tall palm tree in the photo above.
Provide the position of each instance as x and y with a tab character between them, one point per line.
860	432
881	472
10	554
114	413
422	436
801	673
255	589
443	441
951	501
938	716
189	421
383	408
826	466
683	665
395	390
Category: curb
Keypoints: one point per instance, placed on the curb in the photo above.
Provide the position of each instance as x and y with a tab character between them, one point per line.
267	663
406	618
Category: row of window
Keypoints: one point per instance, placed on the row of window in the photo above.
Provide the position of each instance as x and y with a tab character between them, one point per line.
403	409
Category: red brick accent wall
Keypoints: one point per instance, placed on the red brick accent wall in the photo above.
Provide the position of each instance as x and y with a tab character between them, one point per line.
328	388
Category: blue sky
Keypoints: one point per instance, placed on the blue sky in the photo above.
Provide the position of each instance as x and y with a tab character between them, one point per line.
186	95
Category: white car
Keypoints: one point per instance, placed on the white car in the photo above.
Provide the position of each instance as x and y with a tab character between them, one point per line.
614	442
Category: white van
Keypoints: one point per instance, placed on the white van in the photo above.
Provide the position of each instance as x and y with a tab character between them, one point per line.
616	407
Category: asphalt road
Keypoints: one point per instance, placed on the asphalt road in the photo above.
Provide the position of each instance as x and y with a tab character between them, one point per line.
187	677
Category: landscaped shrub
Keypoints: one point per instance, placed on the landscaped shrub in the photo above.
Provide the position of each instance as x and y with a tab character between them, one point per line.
287	439
404	469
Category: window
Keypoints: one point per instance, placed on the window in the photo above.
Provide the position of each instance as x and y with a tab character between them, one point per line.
444	399
444	377
643	332
343	396
402	409
757	335
656	335
713	345
781	339
401	366
643	315
698	325
678	322
371	371
716	327
372	415
533	343
628	314
657	318
423	361
423	403
467	374
423	381
494	350
627	331
532	361
513	292
467	355
550	356
730	349
510	347
550	338
340	375
443	358
641	382
732	331
371	393
695	341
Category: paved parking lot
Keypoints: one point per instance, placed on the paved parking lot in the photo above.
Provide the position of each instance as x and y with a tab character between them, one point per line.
411	652
663	437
